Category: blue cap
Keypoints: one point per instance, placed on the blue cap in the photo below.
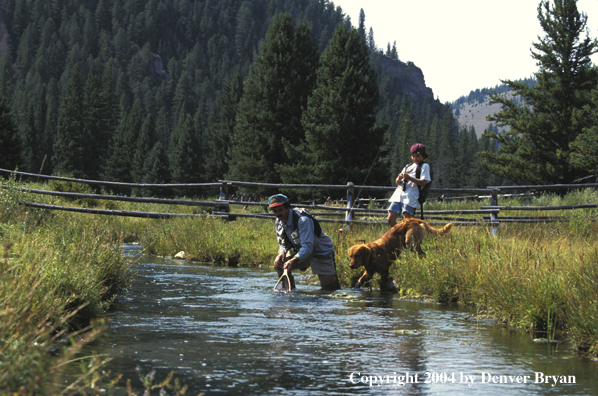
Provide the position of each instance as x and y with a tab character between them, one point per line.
277	200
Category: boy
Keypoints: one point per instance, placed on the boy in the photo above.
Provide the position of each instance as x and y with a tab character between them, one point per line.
405	198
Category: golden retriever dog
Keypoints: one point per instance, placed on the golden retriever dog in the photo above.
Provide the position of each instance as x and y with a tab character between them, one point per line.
377	256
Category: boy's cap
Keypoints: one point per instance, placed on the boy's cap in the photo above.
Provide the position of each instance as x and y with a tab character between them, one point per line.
277	200
419	148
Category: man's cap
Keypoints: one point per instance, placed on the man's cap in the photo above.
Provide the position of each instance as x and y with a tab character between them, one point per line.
277	200
419	148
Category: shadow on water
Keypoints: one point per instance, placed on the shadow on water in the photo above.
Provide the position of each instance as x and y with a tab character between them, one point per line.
223	331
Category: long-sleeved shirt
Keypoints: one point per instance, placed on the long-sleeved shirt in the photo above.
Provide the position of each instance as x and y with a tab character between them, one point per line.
304	241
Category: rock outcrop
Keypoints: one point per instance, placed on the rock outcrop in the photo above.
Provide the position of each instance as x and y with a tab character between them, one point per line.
408	78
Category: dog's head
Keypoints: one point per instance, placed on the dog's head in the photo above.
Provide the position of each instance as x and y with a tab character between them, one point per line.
359	255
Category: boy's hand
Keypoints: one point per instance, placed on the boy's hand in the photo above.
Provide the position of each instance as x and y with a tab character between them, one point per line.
400	178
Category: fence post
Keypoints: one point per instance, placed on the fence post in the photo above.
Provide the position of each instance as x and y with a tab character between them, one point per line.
349	214
224	193
494	216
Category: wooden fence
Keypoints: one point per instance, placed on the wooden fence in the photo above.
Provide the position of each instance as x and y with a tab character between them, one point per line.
353	205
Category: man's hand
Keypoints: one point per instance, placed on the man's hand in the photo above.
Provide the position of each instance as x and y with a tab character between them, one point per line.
291	263
279	260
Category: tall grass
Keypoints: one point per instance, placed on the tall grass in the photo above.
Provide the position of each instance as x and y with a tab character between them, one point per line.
58	274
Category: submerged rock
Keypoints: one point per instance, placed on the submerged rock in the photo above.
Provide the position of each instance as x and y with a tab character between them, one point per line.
410	332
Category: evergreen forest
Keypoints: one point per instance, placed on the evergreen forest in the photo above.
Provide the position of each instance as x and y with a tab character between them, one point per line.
191	91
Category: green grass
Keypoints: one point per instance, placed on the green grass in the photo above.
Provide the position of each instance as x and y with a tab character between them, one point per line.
58	275
60	271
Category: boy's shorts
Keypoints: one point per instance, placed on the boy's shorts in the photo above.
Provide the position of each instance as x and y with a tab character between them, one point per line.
322	265
400	208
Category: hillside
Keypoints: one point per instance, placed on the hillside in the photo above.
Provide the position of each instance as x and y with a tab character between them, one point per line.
475	113
472	110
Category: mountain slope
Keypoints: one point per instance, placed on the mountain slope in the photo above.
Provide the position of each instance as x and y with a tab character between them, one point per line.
472	110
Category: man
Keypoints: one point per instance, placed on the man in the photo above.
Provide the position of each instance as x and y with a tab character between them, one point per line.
301	237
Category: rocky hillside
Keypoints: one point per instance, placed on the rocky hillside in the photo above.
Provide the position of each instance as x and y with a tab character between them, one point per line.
473	109
475	113
408	77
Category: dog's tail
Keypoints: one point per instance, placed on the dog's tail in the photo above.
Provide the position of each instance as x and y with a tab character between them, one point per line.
436	231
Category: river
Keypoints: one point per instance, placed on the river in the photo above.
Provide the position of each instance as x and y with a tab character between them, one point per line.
223	331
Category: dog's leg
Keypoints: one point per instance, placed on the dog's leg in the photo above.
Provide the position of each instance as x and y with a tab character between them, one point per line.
413	239
364	278
384	280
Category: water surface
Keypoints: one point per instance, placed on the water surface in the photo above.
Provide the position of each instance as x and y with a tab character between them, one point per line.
222	331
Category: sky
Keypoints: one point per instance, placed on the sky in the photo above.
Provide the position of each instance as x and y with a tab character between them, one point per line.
461	45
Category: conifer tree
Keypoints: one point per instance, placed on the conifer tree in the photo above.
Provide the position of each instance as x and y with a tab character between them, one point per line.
446	171
94	111
537	147
361	26
72	146
6	75
46	143
110	111
270	110
119	164
145	143
221	127
156	171
27	132
584	149
401	141
371	42
10	144
339	121
185	153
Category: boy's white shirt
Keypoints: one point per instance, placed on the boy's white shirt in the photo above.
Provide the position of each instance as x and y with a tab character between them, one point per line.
410	196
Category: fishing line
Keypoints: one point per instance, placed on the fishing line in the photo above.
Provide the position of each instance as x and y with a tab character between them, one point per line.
375	158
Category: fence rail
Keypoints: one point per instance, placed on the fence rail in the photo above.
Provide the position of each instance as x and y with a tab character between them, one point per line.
222	205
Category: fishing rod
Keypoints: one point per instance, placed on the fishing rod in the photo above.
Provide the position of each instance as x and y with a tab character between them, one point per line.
375	159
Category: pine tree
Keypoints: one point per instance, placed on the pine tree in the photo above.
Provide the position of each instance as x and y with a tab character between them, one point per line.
27	49
361	26
339	121
94	111
49	137
119	165
270	110
72	146
401	140
109	118
10	144
584	149
446	171
371	42
145	143
156	171
537	147
185	153
26	127
221	127
6	76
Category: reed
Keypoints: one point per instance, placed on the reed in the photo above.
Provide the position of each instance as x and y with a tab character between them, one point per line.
58	275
